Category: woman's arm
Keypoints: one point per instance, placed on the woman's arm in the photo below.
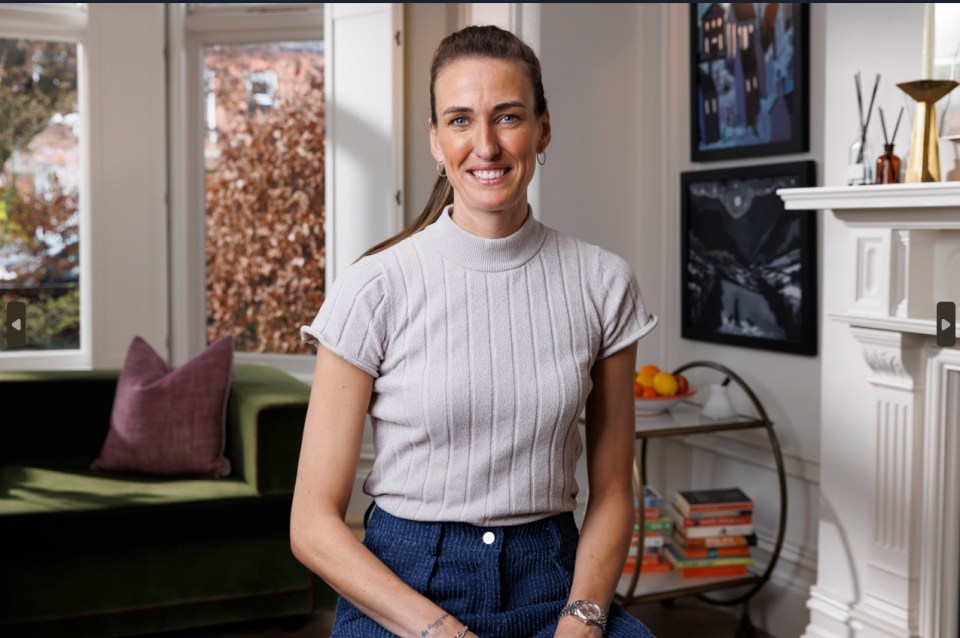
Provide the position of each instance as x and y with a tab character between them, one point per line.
319	538
608	523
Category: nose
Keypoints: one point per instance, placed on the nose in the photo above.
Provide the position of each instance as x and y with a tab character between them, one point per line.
486	145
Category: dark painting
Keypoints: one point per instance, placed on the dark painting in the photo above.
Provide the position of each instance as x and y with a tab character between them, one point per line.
748	75
749	265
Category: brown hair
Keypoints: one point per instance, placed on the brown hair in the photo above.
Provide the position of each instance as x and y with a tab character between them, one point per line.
470	42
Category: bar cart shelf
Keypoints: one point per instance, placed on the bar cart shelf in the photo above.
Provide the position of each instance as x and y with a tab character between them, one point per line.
684	420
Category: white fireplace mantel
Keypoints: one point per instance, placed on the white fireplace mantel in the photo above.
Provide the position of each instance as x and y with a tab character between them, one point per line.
903	246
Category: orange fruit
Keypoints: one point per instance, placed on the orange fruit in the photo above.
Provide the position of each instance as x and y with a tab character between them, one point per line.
637	390
649	393
649	369
665	384
644	379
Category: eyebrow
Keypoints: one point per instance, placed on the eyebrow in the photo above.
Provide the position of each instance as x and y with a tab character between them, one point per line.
499	107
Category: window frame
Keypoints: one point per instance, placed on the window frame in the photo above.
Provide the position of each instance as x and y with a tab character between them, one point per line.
63	22
191	29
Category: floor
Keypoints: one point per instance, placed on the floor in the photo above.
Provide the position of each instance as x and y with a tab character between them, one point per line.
688	618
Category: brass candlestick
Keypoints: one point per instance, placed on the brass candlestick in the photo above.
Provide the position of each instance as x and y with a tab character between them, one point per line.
923	164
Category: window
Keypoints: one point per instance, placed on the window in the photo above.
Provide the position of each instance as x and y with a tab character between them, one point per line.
41	183
264	191
253	142
39	188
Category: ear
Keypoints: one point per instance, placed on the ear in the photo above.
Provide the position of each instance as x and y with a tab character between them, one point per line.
545	131
434	142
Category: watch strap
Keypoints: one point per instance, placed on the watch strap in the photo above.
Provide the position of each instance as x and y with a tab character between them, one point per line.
572	609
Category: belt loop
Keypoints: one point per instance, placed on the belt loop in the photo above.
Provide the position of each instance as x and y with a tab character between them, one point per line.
368	513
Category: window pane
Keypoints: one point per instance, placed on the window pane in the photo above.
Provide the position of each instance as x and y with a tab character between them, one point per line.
263	151
39	189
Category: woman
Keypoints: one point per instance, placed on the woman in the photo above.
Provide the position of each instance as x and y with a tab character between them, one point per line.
474	339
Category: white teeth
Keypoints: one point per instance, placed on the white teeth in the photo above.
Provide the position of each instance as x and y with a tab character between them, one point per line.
489	174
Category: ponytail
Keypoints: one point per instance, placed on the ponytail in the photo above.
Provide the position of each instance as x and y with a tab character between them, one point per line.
440	198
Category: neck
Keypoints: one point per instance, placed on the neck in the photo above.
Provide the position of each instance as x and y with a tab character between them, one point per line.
490	225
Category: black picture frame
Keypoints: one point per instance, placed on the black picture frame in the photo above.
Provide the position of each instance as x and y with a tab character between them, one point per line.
749	266
754	102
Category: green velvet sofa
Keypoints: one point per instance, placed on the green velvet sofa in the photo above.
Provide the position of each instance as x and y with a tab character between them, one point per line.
87	553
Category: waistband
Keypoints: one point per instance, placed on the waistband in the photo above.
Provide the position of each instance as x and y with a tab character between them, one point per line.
543	535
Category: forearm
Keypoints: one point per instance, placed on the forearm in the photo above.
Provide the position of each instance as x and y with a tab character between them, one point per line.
602	551
330	550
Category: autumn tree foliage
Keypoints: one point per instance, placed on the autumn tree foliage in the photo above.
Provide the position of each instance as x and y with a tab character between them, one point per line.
39	230
265	255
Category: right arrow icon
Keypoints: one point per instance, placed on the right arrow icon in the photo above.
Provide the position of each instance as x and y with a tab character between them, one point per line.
946	324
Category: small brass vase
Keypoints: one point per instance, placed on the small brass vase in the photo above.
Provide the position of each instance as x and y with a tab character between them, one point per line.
923	162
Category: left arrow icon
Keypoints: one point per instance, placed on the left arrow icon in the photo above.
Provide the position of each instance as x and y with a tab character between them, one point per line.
16	324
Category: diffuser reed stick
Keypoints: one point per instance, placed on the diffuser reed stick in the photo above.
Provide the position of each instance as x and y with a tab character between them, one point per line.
865	122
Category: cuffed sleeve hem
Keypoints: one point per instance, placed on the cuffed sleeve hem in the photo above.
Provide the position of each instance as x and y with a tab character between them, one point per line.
636	335
311	335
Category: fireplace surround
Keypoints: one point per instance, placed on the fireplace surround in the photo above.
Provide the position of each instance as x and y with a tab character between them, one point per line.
889	517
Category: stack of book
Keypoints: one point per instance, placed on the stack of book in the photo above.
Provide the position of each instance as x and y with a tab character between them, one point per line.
713	532
657	530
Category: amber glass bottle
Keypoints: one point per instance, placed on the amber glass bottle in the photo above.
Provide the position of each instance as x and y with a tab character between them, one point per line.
888	166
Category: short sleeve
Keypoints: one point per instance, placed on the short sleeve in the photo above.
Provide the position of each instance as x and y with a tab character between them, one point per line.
624	318
351	322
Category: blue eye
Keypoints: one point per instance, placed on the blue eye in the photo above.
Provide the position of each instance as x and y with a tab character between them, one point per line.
509	118
459	121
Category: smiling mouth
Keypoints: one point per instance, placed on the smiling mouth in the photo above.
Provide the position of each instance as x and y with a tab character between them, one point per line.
493	176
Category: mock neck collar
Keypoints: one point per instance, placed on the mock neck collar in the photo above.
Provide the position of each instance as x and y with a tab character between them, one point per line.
479	253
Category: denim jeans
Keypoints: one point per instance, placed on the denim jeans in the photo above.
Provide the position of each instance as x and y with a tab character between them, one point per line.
502	582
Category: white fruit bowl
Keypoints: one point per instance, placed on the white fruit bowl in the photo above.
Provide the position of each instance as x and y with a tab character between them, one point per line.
651	407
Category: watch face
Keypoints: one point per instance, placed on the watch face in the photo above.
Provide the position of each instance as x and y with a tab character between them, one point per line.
590	611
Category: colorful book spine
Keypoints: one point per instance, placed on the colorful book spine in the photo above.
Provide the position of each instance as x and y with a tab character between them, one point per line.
680	562
720	500
654	542
658	525
715	552
713	521
651	497
652	513
681	541
719	530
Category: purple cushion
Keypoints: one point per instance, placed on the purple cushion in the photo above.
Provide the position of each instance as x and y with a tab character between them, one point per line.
170	421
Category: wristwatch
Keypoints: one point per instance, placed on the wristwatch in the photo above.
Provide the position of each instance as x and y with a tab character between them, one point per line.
588	612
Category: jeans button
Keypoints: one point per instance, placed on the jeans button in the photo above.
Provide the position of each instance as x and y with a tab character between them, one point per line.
488	538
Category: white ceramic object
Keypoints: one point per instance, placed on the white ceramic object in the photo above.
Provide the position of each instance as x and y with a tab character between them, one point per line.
718	405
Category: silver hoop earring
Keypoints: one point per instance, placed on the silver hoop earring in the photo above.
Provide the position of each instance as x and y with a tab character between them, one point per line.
441	169
542	162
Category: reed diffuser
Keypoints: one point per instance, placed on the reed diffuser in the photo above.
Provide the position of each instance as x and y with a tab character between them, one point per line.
888	164
859	166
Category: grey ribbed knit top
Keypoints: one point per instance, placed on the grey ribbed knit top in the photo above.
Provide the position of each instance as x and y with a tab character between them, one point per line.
481	351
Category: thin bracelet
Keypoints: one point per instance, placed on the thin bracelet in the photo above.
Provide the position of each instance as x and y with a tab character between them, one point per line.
462	632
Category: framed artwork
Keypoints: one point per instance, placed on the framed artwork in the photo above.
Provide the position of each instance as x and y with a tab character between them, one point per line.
749	267
749	68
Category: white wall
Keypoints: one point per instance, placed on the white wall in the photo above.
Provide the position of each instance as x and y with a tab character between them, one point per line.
128	220
425	25
788	385
616	79
602	179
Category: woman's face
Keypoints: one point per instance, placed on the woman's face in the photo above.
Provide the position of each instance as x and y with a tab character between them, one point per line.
487	135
